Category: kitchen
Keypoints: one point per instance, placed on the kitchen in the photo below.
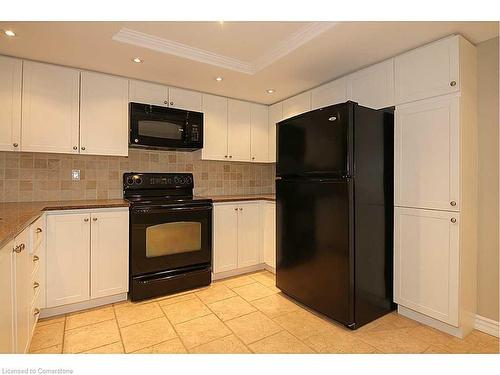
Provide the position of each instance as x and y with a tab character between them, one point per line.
143	215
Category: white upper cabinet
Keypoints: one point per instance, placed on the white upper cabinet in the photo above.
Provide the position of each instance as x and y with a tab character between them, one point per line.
328	94
148	93
427	262
238	139
104	115
184	99
259	142
10	103
428	71
215	128
373	87
297	104
426	154
50	108
275	116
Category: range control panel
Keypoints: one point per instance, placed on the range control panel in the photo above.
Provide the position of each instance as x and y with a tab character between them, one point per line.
145	181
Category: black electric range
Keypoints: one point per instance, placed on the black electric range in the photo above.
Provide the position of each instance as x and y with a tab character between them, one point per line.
170	234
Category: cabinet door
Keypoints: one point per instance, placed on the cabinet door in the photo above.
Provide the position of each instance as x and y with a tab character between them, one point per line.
297	104
373	87
184	99
68	258
225	237
426	262
10	103
50	97
104	115
259	140
426	155
109	253
248	234
428	71
238	130
215	128
269	233
7	297
23	291
275	115
148	93
328	94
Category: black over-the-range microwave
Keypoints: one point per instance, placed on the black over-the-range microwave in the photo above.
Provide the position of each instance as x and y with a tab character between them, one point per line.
159	127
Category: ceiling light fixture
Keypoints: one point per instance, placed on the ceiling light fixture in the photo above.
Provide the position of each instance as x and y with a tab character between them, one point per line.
219	79
137	60
270	91
9	33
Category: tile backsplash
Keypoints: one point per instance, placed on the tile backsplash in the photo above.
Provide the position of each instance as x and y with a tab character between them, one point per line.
26	177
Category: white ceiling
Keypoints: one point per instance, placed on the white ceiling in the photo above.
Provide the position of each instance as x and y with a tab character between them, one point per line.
289	57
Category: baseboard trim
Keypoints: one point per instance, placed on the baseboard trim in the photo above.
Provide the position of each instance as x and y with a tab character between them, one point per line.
269	268
59	310
486	325
238	271
431	322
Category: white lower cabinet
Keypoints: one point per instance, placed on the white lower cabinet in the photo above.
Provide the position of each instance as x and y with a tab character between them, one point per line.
248	234
87	255
269	234
427	262
7	336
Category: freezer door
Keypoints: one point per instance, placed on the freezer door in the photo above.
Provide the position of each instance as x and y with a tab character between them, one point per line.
315	246
316	143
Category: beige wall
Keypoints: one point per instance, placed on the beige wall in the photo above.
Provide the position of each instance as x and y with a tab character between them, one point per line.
488	225
28	177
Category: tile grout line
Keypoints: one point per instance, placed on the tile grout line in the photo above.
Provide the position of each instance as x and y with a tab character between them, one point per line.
119	329
173	327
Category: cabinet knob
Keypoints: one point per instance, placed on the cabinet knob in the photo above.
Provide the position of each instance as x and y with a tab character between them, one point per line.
94	219
35	258
15	144
35	285
86	219
83	148
19	248
171	103
39	230
225	156
253	157
236	209
241	209
453	83
453	203
230	156
36	312
453	220
75	148
165	102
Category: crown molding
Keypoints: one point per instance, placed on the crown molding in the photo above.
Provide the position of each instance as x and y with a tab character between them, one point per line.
296	40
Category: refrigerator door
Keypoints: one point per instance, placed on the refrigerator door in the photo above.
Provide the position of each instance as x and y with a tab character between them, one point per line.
316	143
315	245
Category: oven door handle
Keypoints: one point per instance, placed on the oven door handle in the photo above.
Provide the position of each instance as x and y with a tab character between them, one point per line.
170	209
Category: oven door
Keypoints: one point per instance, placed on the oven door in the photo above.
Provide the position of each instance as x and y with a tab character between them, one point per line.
168	238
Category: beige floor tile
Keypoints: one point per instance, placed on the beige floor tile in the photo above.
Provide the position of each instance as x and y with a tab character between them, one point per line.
237	281
46	336
114	348
136	313
231	308
437	349
215	293
338	341
280	343
173	346
302	324
56	349
254	291
183	311
148	333
400	340
90	337
201	330
253	327
225	345
394	320
432	336
275	305
177	299
481	342
51	320
88	317
265	278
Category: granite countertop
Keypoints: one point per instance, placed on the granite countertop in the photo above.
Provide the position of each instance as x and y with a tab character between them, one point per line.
15	217
242	197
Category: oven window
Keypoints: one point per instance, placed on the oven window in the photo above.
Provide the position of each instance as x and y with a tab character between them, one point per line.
160	129
173	238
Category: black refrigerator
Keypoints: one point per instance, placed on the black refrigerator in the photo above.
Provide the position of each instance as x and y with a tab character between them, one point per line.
334	207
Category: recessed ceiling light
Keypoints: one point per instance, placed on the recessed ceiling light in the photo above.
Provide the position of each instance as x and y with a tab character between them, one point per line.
137	60
9	33
270	91
219	79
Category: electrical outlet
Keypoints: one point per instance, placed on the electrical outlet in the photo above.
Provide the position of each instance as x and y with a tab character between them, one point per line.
75	174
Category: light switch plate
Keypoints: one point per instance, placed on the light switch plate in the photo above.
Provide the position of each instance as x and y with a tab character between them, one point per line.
75	174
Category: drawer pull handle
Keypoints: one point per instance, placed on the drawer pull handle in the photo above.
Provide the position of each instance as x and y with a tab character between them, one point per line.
39	230
35	285
19	248
36	312
35	258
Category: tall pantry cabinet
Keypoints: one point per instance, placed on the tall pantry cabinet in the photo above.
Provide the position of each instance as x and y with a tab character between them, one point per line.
435	168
